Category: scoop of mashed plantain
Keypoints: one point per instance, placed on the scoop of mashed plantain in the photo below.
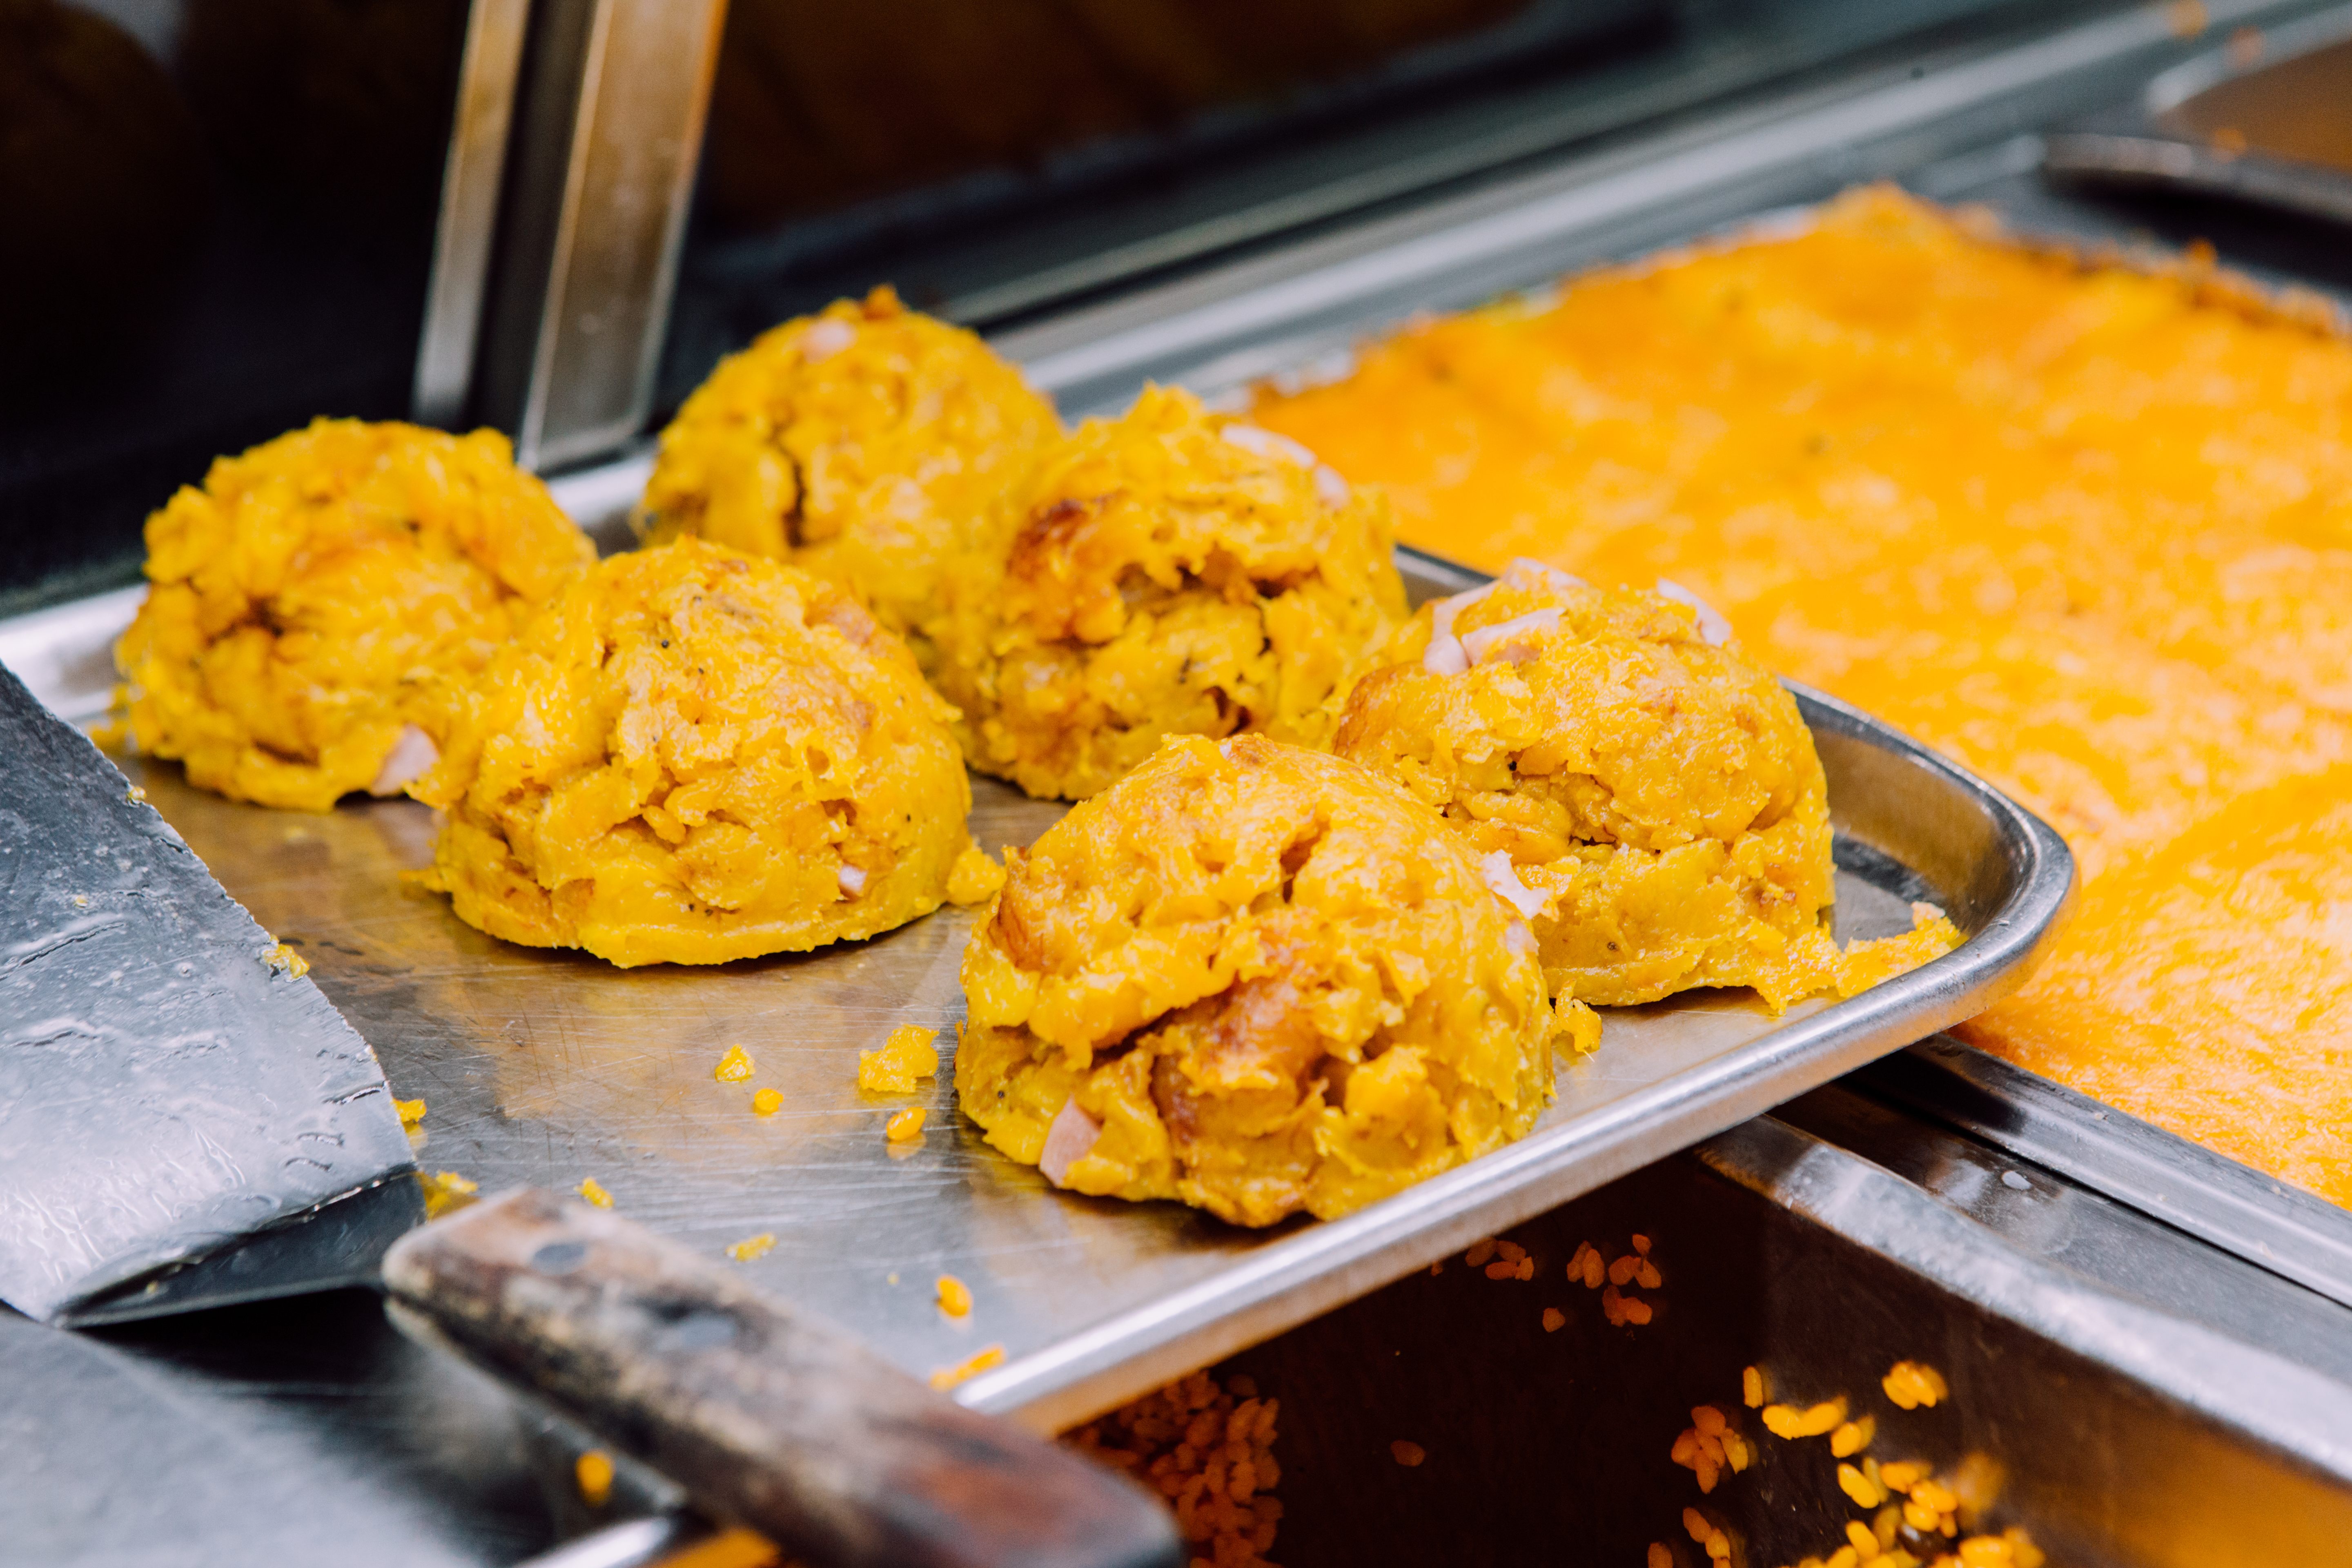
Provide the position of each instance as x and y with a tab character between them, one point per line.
868	443
693	755
1645	793
1258	979
310	602
1171	572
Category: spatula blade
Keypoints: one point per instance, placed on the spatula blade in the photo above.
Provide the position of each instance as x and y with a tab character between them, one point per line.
168	1086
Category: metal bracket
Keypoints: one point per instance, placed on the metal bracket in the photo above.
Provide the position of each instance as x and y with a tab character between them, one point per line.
611	131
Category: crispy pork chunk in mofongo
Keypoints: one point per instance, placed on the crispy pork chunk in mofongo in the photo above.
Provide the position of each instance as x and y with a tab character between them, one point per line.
1647	794
1170	571
866	443
1258	979
307	602
693	755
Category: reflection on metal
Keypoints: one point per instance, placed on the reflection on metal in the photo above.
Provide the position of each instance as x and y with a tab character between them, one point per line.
469	208
612	127
1259	316
2069	1395
2293	1234
2260	120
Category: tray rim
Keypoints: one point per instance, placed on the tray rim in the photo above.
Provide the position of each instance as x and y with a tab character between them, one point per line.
2262	1219
1325	1264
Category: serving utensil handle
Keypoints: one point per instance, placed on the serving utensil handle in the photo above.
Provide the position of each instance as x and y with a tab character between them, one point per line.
766	1417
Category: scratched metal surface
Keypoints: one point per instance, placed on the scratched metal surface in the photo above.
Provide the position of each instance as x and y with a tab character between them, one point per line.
551	1068
162	1087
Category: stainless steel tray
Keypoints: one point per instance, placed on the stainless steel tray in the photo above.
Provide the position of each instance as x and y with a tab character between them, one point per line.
2294	1234
553	1068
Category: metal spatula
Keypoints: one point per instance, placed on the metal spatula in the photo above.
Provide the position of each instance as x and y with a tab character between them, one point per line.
186	1122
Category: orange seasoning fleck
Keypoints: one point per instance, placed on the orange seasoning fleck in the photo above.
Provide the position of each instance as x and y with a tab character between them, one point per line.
968	1369
905	1056
1751	1387
593	1472
905	1126
1408	1454
1911	1384
446	1190
1554	1319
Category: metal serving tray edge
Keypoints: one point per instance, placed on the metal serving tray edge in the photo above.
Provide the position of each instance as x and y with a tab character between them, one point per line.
2223	1202
551	1068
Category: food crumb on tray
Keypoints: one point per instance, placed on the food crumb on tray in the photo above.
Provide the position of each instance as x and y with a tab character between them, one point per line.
905	1056
970	1367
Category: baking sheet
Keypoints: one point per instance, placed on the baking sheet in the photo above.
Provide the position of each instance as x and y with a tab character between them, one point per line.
551	1068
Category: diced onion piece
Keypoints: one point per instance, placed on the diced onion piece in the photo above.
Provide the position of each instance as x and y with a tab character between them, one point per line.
1504	878
410	757
826	339
1446	657
1525	572
1519	937
1329	487
1264	443
852	880
1442	614
1711	624
1069	1140
1477	645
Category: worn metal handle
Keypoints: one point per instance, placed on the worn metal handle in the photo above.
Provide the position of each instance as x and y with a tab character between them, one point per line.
766	1418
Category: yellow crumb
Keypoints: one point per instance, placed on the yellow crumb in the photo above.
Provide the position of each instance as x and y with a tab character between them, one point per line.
767	1101
412	1111
1751	1387
1902	1475
1853	1437
905	1126
1554	1319
736	1548
965	1370
1788	1421
136	793
1911	1384
287	961
594	1470
734	1067
593	1191
1857	1485
974	878
907	1055
444	1191
955	1296
752	1246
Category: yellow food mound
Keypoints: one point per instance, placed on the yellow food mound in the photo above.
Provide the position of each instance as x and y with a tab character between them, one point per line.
311	599
2086	528
693	755
1256	978
866	443
1651	799
1171	572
